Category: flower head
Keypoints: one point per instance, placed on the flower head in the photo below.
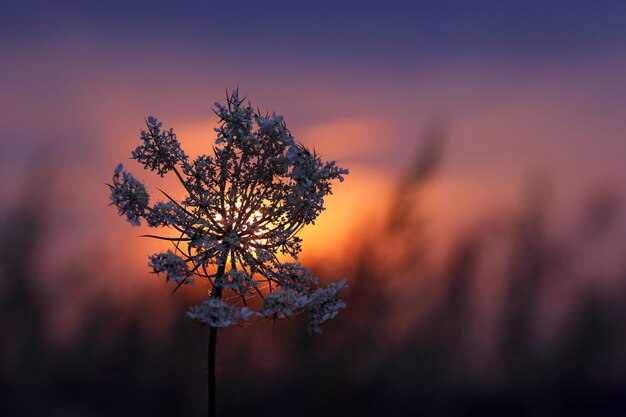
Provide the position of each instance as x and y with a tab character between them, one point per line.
129	196
216	312
244	206
160	150
174	266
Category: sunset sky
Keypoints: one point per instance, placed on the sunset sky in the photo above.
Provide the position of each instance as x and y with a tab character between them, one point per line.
506	288
522	91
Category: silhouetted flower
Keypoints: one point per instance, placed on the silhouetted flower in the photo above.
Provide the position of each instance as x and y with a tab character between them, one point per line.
243	207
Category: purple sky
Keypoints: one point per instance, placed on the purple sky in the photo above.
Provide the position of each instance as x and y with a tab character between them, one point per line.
524	90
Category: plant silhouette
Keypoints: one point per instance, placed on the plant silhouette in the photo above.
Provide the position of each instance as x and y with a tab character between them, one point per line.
244	206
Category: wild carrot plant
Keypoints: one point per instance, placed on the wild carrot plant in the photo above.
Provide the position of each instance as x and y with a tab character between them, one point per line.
242	210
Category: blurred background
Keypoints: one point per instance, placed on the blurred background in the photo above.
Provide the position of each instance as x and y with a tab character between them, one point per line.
482	228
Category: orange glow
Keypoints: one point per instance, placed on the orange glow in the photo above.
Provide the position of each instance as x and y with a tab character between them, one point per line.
504	124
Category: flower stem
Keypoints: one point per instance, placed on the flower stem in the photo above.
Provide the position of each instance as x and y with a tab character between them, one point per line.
211	366
215	292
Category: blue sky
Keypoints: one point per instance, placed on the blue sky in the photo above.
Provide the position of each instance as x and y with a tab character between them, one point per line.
409	31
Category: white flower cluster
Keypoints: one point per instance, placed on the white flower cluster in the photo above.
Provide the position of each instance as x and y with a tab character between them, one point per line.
283	303
239	281
164	214
160	150
174	267
325	304
243	206
215	312
129	195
